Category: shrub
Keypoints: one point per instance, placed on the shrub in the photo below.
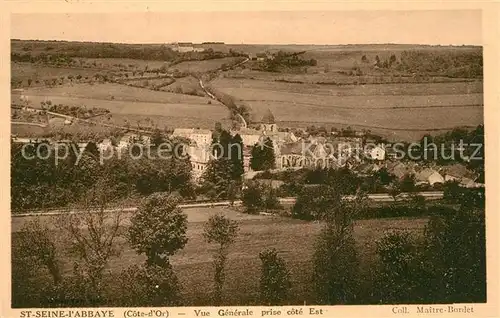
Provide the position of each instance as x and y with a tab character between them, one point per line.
148	285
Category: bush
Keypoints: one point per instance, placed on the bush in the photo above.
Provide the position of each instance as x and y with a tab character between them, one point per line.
252	197
146	286
257	196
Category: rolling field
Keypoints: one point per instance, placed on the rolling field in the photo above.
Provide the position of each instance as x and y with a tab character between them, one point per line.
112	92
329	77
128	105
117	63
205	65
293	239
25	71
420	108
131	104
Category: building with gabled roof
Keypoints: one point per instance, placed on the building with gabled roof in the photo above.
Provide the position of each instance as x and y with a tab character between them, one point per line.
199	136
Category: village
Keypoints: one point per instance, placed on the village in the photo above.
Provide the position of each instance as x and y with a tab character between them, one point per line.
357	152
194	167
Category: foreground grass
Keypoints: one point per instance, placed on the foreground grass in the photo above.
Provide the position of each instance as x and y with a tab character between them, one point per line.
293	239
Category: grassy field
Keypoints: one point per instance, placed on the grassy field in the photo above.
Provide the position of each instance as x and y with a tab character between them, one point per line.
204	66
24	71
111	92
413	107
129	105
117	63
293	239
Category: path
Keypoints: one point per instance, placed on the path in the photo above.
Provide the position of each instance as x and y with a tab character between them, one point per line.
377	197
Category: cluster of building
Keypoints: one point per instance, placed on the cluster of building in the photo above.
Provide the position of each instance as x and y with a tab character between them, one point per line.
292	152
184	47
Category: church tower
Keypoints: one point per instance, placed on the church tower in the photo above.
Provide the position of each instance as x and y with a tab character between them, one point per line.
268	123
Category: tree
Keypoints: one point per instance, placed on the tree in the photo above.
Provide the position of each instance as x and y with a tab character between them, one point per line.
93	235
377	60
455	256
252	197
217	178
407	183
157	138
236	156
256	196
383	176
34	254
35	241
396	279
222	231
336	265
158	228
263	157
275	278
392	59
321	202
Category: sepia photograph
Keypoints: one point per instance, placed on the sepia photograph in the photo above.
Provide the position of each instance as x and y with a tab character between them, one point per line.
260	158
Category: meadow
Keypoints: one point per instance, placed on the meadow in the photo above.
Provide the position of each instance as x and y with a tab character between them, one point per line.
24	71
293	239
122	63
128	106
205	65
390	107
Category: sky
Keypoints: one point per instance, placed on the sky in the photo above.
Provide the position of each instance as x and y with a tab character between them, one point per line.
443	27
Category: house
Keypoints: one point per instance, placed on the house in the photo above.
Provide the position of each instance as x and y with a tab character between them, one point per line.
428	176
199	136
198	150
267	128
400	169
199	156
105	145
459	173
130	138
376	153
184	47
261	56
249	136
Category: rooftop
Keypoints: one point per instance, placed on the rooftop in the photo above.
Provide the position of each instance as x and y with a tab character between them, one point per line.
268	117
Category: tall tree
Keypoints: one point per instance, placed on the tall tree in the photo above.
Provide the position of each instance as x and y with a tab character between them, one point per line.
158	228
263	157
222	231
236	156
94	237
275	278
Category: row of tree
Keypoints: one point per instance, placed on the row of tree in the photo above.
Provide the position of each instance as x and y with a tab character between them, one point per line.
446	264
157	232
450	63
45	176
